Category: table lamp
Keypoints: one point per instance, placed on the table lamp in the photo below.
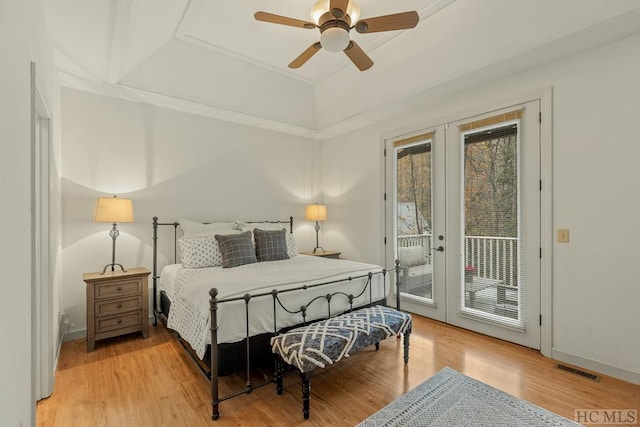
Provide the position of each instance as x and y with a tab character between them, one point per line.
316	212
113	210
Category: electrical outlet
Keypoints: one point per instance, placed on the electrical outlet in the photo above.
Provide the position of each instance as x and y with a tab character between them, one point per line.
563	235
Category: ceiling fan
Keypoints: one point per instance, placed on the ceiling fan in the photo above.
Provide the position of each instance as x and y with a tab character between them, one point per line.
335	18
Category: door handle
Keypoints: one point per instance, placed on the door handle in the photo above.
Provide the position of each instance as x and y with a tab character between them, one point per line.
439	249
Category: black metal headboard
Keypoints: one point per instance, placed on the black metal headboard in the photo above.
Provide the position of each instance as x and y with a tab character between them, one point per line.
175	225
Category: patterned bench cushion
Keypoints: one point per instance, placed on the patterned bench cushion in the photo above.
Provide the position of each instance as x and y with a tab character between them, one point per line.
326	342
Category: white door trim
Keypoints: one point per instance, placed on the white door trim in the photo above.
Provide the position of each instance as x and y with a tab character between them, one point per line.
42	356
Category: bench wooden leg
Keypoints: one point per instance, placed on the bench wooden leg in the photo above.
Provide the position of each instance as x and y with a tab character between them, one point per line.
306	392
407	334
377	346
279	374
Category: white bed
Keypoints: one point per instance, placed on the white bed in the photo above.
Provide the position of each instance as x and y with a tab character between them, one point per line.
188	291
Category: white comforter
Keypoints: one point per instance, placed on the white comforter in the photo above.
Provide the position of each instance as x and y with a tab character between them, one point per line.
189	315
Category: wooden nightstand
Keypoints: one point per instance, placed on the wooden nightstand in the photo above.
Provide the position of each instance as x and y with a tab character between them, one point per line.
117	304
325	254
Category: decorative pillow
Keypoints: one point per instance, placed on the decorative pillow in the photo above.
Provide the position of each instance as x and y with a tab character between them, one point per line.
411	256
271	245
201	250
236	249
292	249
192	227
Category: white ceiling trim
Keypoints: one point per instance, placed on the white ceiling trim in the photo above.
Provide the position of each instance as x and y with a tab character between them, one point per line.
187	22
119	37
159	100
215	48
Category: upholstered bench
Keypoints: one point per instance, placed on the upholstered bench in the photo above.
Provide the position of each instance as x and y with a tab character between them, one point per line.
326	342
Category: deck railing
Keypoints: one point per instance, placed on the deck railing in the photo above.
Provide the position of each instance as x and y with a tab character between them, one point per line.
493	257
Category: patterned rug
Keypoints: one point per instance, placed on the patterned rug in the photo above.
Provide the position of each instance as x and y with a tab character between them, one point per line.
452	399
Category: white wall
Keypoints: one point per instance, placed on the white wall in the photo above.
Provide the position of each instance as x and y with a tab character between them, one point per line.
173	165
23	38
596	286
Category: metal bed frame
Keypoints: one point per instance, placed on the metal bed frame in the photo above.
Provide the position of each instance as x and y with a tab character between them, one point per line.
278	305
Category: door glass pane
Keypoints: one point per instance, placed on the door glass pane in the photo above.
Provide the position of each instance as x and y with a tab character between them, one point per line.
490	270
414	219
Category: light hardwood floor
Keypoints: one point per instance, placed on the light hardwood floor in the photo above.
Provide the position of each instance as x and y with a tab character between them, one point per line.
129	381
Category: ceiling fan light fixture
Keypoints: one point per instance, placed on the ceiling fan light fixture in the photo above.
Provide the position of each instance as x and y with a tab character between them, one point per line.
321	7
334	39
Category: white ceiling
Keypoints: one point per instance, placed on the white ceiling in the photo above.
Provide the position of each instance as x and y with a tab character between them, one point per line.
213	58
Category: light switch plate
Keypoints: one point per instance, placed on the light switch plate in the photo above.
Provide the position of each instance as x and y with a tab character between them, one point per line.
563	235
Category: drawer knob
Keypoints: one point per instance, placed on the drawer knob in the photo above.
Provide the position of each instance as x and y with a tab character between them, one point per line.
119	288
119	305
119	320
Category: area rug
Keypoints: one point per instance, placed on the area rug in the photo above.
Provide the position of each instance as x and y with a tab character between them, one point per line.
450	398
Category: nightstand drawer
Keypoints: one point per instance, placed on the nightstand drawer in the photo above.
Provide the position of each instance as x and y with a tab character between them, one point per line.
118	289
110	307
106	324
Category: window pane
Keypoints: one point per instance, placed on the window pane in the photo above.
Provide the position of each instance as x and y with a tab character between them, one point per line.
491	225
414	220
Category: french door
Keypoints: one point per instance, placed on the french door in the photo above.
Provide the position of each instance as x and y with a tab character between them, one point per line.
466	222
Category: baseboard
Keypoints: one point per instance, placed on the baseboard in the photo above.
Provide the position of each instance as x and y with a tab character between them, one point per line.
75	335
61	335
82	333
592	365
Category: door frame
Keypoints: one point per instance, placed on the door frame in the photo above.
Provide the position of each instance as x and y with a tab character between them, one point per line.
42	340
544	95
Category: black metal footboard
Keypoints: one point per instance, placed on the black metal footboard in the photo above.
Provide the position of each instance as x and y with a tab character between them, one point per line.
280	305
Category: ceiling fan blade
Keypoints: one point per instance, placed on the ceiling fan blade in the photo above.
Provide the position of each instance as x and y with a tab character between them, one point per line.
283	20
305	56
397	21
340	5
358	57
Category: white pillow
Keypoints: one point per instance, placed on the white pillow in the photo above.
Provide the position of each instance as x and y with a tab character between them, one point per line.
192	227
201	250
411	256
246	226
292	248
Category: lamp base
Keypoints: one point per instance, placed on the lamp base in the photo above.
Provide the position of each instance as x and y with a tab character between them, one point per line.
316	249
113	264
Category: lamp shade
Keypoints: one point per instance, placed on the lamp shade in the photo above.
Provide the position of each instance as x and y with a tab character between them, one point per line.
316	212
113	209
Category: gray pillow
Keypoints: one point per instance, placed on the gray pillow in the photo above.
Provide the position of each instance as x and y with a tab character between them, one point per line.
271	245
236	249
